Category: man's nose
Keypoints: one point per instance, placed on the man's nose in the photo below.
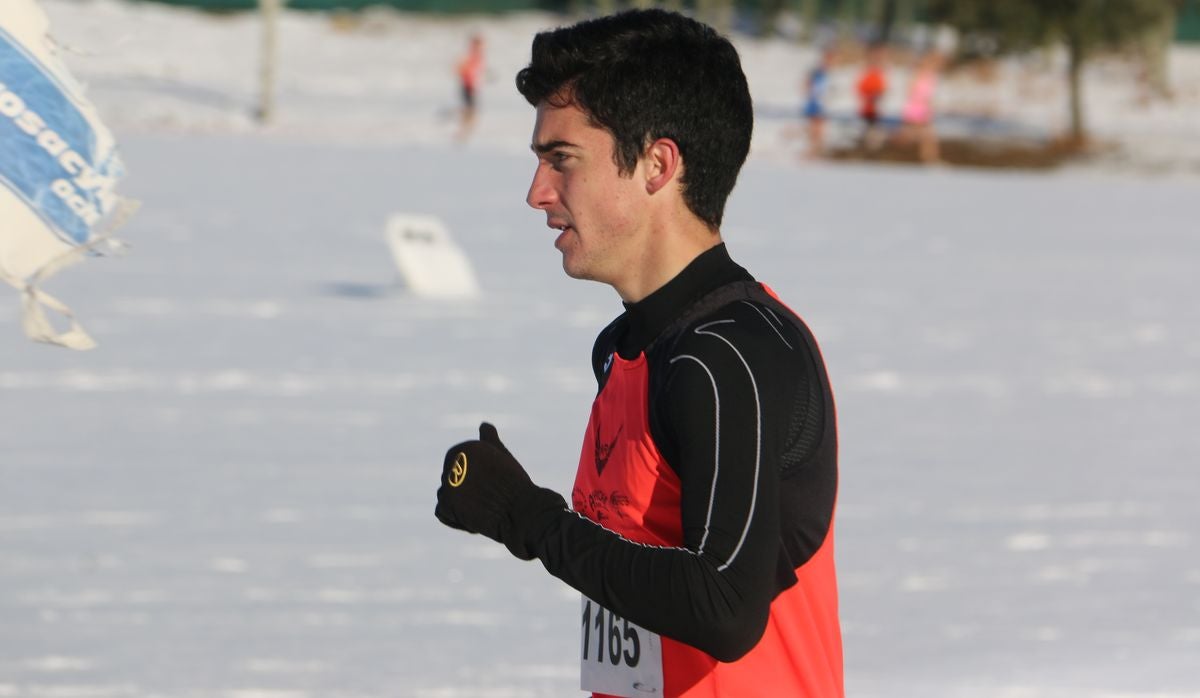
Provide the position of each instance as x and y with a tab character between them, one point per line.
541	195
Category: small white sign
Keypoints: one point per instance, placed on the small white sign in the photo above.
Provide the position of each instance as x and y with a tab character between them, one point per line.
431	264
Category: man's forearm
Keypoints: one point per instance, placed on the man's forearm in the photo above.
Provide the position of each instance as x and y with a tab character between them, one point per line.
672	591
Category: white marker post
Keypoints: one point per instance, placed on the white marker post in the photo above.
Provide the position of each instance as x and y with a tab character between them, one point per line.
429	262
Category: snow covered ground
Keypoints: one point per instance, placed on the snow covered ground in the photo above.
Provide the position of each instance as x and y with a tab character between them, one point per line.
232	496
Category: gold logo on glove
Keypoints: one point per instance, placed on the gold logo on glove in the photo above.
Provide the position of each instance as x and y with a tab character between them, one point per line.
458	471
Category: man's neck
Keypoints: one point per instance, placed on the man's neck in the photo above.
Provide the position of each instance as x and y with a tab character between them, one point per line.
646	319
668	250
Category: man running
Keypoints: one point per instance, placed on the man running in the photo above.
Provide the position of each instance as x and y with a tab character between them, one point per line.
700	528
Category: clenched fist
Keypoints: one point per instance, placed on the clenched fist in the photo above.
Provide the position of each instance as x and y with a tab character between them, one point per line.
482	485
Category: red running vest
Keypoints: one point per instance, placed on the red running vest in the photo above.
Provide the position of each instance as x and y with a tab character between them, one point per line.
624	484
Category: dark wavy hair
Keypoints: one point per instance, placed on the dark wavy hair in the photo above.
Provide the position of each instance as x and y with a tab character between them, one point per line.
650	74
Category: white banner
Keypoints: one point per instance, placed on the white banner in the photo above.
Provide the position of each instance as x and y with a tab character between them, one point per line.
58	171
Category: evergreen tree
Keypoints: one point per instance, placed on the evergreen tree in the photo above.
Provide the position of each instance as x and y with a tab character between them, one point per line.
1082	27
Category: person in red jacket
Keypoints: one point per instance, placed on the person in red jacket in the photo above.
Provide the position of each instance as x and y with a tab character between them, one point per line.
699	531
871	86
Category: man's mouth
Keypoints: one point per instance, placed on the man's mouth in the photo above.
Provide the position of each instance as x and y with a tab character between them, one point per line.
563	229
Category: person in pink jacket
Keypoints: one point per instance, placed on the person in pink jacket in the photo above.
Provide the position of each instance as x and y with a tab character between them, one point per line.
918	109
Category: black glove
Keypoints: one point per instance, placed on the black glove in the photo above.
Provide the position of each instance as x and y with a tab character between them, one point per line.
481	486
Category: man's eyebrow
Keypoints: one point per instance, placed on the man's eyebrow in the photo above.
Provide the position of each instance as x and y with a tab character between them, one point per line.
550	146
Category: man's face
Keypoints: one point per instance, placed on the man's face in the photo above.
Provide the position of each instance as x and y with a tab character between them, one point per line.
579	187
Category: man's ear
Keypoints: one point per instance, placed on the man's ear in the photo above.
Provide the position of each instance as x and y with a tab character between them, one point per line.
663	164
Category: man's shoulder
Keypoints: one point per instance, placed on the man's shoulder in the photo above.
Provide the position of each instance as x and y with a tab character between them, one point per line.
745	323
743	317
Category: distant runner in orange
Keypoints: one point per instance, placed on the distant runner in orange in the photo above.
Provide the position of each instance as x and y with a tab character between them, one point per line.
470	72
872	85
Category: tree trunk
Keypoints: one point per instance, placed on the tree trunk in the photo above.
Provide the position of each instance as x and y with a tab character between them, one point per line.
768	17
885	17
716	13
809	17
874	12
905	16
847	19
270	21
1075	61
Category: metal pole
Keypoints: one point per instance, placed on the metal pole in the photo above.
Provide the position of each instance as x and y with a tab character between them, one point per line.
269	10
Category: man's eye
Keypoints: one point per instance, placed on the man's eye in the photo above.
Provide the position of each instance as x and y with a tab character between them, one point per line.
557	159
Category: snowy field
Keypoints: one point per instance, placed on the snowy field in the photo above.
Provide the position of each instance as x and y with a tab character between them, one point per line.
232	496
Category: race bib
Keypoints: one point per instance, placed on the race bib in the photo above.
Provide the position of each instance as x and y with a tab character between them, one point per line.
617	657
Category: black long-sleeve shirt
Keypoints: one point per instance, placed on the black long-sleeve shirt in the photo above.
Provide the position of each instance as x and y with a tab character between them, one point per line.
741	410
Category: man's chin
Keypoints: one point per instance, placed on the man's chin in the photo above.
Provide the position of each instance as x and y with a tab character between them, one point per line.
575	270
572	272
